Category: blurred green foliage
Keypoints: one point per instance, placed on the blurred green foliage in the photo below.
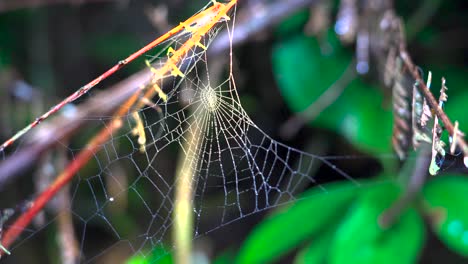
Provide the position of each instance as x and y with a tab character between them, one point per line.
445	203
361	239
158	255
304	73
346	230
291	227
304	68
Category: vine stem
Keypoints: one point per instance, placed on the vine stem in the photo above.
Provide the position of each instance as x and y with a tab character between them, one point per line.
434	104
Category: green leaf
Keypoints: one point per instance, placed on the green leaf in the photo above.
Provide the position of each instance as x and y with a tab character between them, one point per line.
317	250
158	256
360	239
226	257
304	73
294	23
445	199
286	229
358	114
456	108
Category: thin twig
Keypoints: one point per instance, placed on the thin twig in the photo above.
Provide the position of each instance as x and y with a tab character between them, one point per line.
98	140
215	9
433	103
293	124
63	127
66	238
416	181
421	17
65	177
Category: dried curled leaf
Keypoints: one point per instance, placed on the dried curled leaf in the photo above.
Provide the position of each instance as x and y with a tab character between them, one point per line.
426	114
438	146
402	118
420	116
443	95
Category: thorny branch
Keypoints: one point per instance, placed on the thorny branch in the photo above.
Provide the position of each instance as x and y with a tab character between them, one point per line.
454	133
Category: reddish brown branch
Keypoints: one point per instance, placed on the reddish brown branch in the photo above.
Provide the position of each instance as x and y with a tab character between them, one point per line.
62	127
96	142
116	95
433	102
65	177
216	8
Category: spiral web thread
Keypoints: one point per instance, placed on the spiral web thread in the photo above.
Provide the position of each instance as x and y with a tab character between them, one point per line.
237	169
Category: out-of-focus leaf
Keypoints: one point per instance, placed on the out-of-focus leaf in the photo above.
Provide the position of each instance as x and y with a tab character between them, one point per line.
360	239
446	202
226	257
317	250
294	23
138	260
359	115
158	256
304	74
283	231
456	107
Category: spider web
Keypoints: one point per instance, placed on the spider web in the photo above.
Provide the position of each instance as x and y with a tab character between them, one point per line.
124	198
